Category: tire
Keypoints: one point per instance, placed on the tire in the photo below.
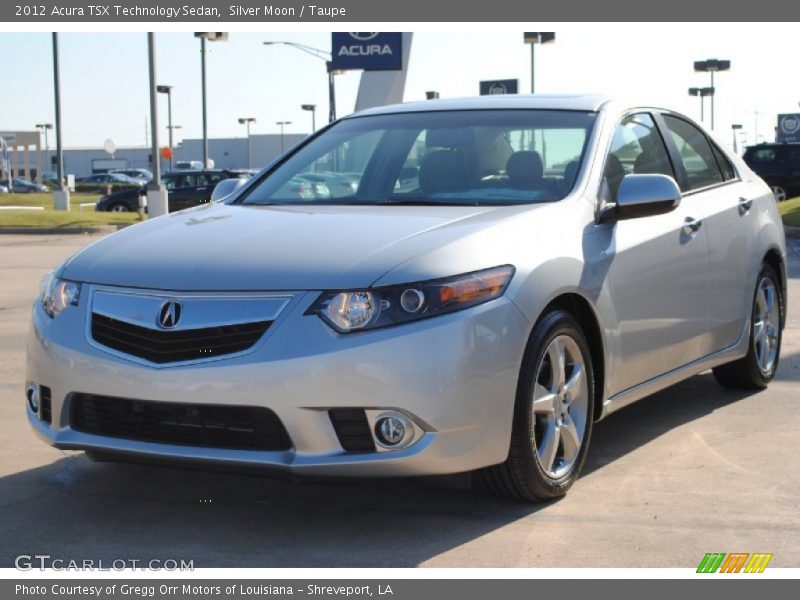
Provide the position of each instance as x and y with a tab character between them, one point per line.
32	190
526	475
755	370
780	191
119	207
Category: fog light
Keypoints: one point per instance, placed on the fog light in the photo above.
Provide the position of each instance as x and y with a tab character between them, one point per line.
391	430
34	397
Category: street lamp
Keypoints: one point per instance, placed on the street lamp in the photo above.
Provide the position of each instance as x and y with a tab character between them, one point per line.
322	55
44	127
246	122
734	128
211	36
313	109
712	65
702	92
282	123
533	38
157	202
167	89
61	193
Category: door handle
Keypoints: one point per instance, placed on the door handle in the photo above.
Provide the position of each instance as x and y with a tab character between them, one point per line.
691	225
745	204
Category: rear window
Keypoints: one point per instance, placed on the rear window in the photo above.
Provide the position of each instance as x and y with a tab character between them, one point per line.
473	157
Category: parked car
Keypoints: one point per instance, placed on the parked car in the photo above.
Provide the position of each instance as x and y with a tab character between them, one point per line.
3	189
99	182
23	186
185	189
186	165
50	178
480	322
136	174
778	165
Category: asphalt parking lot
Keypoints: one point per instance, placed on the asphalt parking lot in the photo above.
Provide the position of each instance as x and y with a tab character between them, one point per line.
691	470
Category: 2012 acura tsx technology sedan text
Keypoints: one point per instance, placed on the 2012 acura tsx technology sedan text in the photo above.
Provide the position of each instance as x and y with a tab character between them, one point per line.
493	276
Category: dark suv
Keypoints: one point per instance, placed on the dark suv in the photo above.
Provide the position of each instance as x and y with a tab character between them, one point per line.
778	165
186	189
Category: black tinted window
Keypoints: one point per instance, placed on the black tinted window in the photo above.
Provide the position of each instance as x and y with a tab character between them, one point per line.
696	153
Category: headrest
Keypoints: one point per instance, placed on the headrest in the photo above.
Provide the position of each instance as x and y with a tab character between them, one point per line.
443	171
525	166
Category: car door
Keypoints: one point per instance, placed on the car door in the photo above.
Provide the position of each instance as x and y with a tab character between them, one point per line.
656	276
210	180
183	194
725	206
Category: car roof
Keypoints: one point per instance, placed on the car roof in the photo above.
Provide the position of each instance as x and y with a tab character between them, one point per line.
580	102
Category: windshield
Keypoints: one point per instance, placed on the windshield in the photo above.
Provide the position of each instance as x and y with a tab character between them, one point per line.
475	157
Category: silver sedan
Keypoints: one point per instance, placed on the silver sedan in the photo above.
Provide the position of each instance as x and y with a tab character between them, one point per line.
502	273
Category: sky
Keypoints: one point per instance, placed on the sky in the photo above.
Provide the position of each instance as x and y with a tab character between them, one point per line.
104	76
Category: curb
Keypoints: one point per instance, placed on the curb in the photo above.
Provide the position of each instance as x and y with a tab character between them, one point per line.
65	230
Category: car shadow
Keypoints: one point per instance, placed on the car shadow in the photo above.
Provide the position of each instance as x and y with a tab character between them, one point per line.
76	509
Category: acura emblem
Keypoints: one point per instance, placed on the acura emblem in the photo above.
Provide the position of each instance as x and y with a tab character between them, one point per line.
169	315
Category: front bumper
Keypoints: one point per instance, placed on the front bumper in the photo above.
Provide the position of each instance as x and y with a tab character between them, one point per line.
455	376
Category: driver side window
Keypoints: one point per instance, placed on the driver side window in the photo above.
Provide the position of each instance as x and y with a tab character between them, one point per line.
636	147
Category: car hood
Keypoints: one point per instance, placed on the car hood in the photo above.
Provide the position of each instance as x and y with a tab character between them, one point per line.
234	247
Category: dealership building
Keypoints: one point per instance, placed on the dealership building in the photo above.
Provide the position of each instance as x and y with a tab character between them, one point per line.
227	153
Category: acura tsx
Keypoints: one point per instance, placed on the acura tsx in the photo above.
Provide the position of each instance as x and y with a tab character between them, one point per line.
498	274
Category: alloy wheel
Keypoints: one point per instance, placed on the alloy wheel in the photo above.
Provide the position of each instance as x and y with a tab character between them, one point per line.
779	193
766	325
560	406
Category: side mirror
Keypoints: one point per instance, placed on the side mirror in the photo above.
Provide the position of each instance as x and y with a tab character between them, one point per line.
644	195
226	187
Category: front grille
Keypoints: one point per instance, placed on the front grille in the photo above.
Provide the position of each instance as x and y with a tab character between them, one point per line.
352	429
208	425
159	346
46	400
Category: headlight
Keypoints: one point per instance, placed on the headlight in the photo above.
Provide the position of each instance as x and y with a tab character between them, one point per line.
357	310
57	294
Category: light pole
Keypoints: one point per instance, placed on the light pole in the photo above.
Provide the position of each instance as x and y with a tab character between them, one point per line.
246	122
282	123
712	65
211	36
533	38
44	127
167	89
702	93
735	127
156	194
322	55
61	193
313	109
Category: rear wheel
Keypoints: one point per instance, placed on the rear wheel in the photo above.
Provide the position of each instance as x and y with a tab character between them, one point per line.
757	368
779	192
119	207
552	417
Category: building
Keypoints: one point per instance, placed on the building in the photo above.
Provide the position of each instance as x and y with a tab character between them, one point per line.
227	153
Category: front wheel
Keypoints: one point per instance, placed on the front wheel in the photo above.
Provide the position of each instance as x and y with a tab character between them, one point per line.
552	416
757	368
119	207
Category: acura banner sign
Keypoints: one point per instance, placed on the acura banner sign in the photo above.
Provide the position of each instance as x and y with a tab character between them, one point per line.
367	51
